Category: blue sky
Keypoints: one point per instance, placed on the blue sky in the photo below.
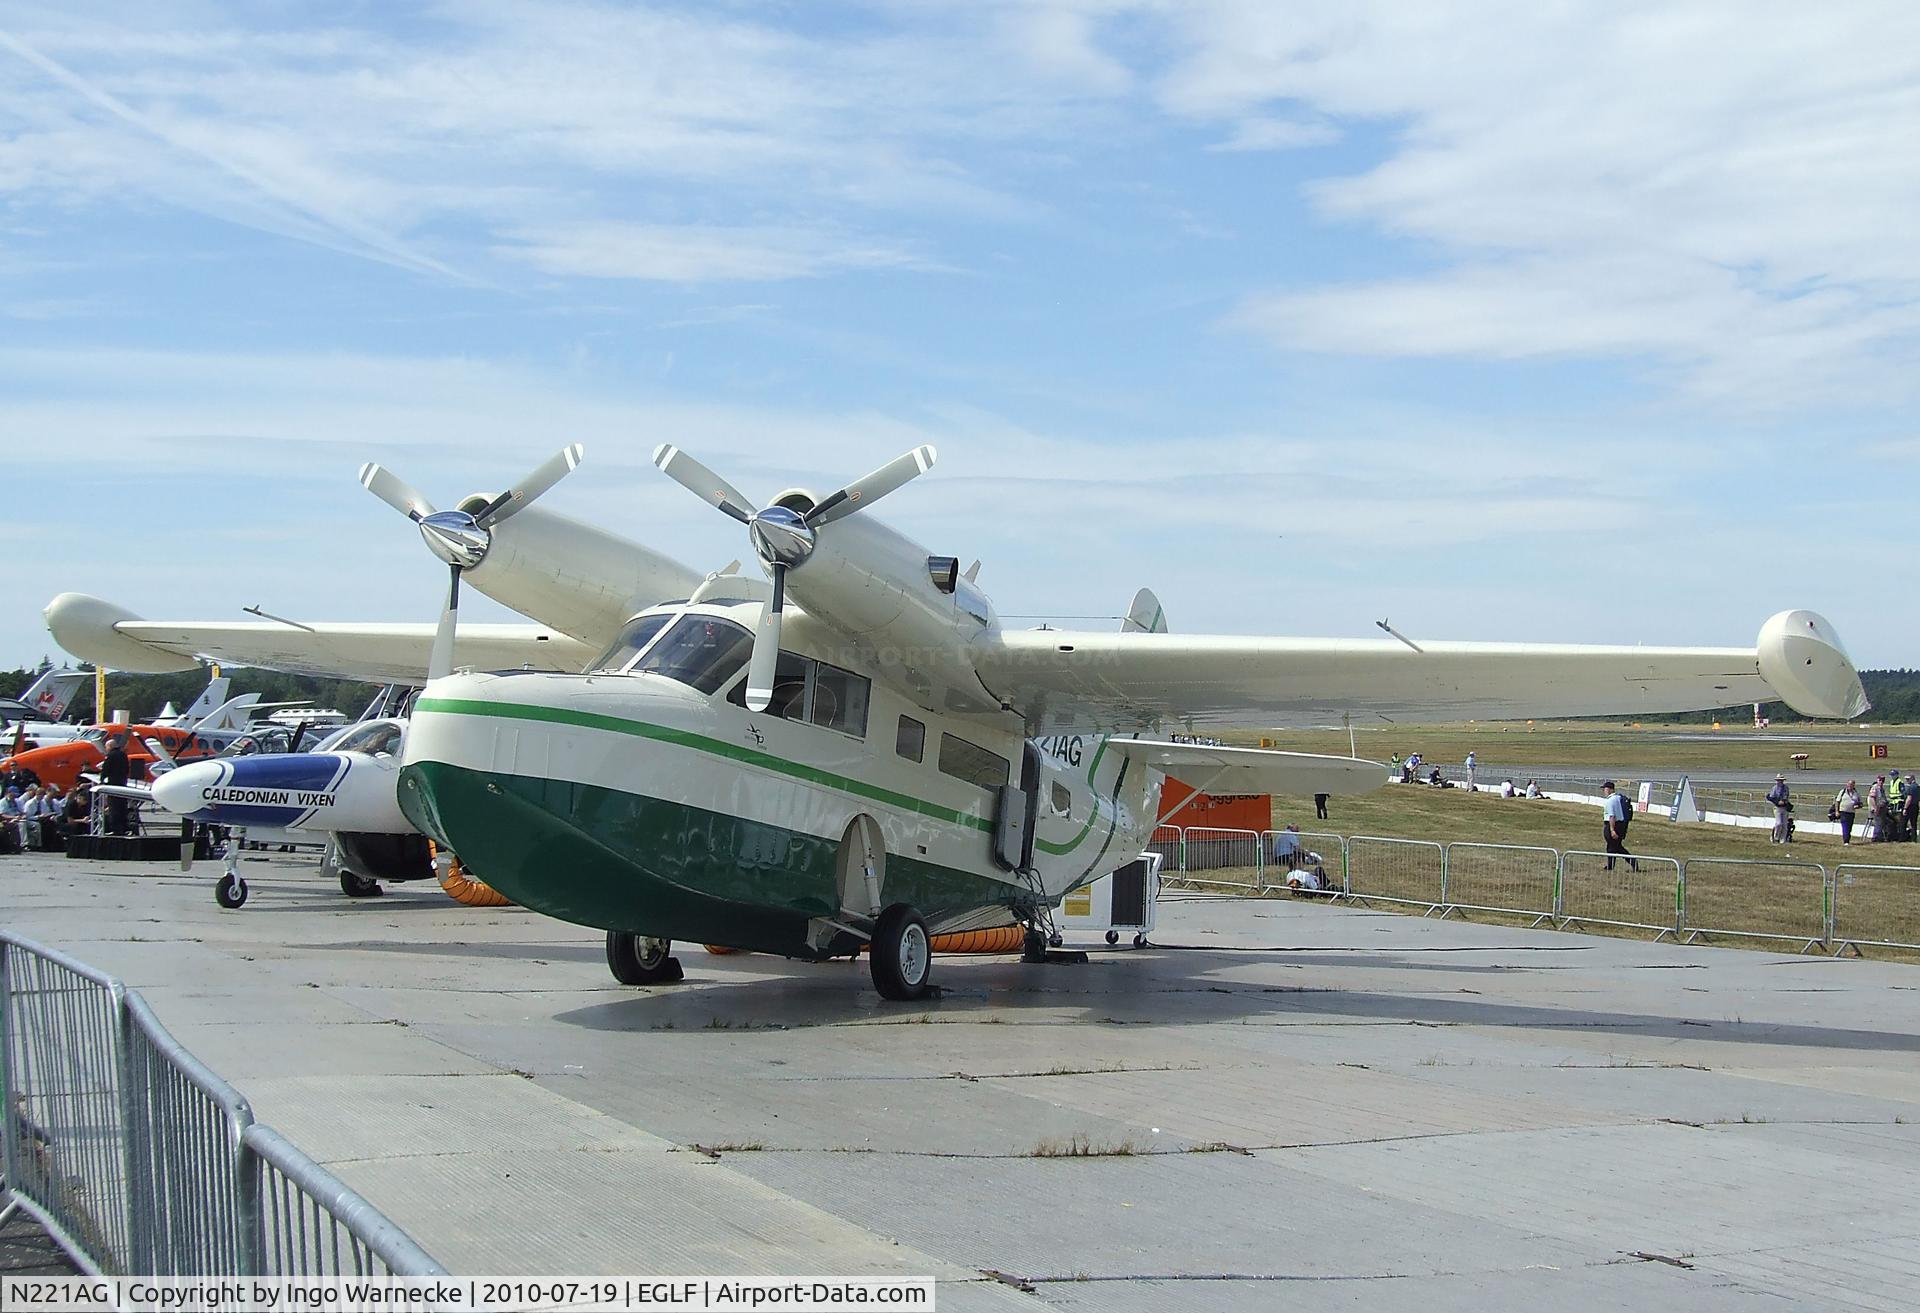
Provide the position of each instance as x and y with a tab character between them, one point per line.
1302	314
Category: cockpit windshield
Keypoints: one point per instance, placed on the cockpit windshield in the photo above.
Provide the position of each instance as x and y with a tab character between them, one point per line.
700	651
637	633
380	737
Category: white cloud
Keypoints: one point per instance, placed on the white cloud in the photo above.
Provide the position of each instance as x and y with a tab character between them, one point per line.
1721	188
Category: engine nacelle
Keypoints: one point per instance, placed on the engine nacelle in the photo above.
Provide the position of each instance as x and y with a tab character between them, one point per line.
874	585
579	579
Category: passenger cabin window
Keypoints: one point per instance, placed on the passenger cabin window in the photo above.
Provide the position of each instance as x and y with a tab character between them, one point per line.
972	763
1062	799
700	651
634	635
815	692
839	700
910	740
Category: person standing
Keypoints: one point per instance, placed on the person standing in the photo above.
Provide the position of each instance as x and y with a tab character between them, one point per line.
1845	804
1320	806
1473	767
114	769
1896	796
1613	826
1782	799
1877	810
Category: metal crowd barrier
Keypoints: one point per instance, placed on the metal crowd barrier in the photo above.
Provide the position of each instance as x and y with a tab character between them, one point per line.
1756	899
1222	857
1317	851
140	1161
1490	877
1853	906
1874	905
1412	871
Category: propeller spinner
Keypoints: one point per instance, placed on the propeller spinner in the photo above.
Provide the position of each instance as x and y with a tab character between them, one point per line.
462	538
784	538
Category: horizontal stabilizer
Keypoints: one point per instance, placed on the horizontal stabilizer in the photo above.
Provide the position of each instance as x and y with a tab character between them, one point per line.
1254	770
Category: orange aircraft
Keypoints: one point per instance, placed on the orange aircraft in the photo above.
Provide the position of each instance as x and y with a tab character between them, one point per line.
62	763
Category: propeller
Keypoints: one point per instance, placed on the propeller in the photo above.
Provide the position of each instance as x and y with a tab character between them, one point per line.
784	538
462	538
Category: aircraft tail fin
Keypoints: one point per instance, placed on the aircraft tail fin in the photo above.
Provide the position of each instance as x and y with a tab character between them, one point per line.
1146	615
210	697
54	691
231	714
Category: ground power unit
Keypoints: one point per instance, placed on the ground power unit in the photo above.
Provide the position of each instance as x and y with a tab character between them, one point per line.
1126	899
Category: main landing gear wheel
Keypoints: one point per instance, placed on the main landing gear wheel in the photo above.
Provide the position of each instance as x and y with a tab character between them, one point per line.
642	959
358	886
902	957
231	891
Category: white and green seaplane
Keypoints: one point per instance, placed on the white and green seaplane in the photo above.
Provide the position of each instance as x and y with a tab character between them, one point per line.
854	752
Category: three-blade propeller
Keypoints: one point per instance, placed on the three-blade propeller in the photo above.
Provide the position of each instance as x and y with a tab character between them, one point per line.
462	538
784	538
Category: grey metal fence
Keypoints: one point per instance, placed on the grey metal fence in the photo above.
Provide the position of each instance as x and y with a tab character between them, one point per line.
1396	870
1491	877
1855	905
141	1161
1322	854
1755	899
1609	889
61	1037
1875	905
1221	857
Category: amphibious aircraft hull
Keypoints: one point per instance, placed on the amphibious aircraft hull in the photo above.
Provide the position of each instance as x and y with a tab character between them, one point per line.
606	819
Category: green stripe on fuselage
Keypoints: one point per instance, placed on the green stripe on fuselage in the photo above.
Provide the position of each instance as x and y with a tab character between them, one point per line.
702	743
621	861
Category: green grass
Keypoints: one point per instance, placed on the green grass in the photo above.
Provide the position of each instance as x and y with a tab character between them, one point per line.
1750	896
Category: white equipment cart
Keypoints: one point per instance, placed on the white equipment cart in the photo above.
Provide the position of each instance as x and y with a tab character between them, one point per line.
1124	900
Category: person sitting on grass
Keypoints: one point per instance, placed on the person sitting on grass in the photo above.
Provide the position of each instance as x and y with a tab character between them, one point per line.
1533	790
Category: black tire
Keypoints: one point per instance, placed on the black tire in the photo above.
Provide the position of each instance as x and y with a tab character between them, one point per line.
641	959
231	892
358	886
1113	936
1140	941
902	956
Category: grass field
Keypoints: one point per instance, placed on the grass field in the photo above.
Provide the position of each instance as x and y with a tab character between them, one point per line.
1741	895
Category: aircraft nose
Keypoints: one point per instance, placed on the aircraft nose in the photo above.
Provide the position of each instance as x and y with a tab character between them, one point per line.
179	790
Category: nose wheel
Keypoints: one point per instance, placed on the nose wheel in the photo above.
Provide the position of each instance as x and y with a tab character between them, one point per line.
902	956
642	959
231	892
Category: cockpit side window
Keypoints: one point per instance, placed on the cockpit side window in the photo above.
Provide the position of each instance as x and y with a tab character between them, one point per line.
374	739
634	635
702	652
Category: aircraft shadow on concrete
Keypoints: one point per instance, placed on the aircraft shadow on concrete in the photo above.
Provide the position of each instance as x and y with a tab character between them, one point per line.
1110	990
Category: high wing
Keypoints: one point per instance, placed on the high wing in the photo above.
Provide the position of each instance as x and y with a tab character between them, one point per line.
1221	769
1058	679
98	631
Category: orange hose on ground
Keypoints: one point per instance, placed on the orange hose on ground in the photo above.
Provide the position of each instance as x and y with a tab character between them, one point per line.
1002	939
463	888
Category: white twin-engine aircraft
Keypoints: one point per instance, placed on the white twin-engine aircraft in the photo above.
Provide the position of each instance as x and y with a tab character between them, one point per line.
856	753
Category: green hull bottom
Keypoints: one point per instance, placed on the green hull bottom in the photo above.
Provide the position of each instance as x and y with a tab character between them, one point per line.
620	861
